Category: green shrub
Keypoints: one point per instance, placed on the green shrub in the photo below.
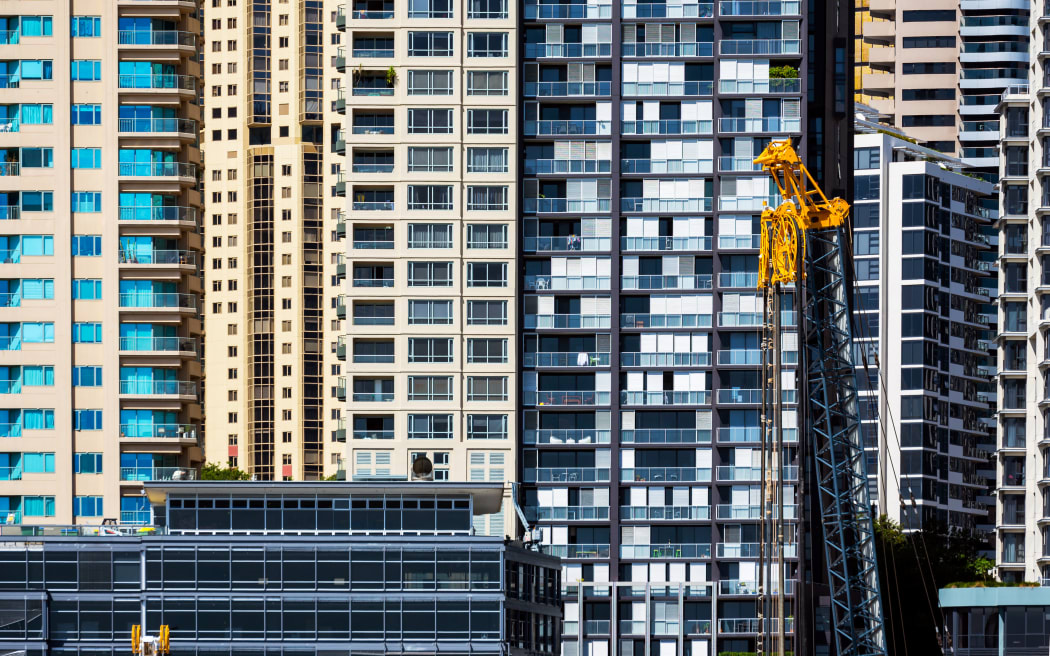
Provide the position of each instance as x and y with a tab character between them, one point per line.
783	72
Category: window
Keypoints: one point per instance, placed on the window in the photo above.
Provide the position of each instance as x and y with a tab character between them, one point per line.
86	70
430	44
430	9
429	159
430	121
37	201
486	83
432	313
486	351
867	269
928	94
38	463
38	245
929	42
87	289
430	83
486	313
928	120
486	274
866	243
486	388
87	506
929	15
86	158
486	198
429	197
375	314
487	9
487	44
87	463
913	186
85	420
429	274
486	235
866	187
86	26
37	158
430	388
38	332
87	246
486	427
35	114
36	289
487	121
35	69
36	26
425	427
487	160
429	350
38	506
87	333
87	201
430	235
865	158
87	376
929	68
86	115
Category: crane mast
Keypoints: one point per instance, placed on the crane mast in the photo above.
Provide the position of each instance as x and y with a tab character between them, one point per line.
802	258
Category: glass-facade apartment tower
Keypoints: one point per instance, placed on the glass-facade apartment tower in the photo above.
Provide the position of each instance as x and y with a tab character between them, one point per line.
640	320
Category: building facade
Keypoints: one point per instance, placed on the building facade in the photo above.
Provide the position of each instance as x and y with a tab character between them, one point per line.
641	322
305	568
429	295
1010	621
272	86
99	245
924	262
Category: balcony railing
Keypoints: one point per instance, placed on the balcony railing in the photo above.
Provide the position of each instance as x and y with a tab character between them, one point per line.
176	256
629	397
157	474
692	281
9	169
704	49
666	126
665	204
565	359
159	431
749	550
570	283
738	279
747	434
567	321
665	512
668	10
169	81
561	205
772	85
665	243
567	436
157	125
576	550
542	166
582	397
759	46
566	475
747	396
559	89
159	213
373	397
158	388
752	624
690	359
567	50
570	243
665	551
157	169
737	164
162	344
665	436
567	128
736	511
665	166
373	435
665	474
734	473
148	300
756	125
568	513
748	587
686	88
156	38
760	8
635	320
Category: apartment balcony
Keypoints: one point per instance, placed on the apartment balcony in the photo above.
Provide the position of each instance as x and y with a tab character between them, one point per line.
566	475
665	243
340	101
565	398
663	398
565	166
667	126
750	550
751	435
182	172
672	205
567	50
547	10
143	474
666	166
576	551
567	436
375	283
9	169
181	389
637	320
153	40
660	89
158	82
566	283
776	124
564	244
184	128
538	321
752	624
598	89
567	513
726	473
661	551
565	359
665	436
373	434
668	10
742	587
750	396
156	259
183	346
564	205
659	49
760	8
153	432
152	302
164	214
376	90
690	359
340	347
656	282
738	511
743	279
760	46
665	475
665	512
567	128
669	627
340	143
753	319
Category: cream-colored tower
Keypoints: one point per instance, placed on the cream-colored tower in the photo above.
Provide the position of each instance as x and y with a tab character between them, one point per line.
99	245
271	138
430	268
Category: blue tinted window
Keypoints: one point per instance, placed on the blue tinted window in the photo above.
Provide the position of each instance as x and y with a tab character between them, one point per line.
87	333
87	201
87	420
87	289
85	26
87	245
86	70
86	158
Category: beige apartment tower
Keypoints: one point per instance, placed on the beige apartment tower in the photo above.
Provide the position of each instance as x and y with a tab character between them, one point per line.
431	276
99	244
271	140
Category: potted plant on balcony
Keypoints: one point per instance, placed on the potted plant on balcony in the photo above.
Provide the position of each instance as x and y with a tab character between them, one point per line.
391	76
783	72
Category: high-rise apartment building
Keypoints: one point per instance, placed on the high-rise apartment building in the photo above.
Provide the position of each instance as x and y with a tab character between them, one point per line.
641	325
99	244
273	143
923	251
1023	457
431	273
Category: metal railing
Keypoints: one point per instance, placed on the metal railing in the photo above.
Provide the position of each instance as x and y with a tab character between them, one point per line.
157	474
169	344
159	125
158	388
158	300
157	169
156	38
174	256
158	213
159	431
157	81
